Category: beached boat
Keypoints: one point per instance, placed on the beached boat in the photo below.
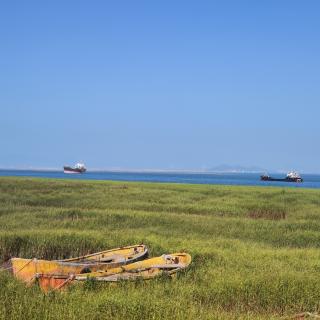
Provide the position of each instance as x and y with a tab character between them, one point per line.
167	264
78	168
26	269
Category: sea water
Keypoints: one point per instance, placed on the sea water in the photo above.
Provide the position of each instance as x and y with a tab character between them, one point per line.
243	179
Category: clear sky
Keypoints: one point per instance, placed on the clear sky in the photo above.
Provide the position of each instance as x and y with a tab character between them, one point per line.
160	84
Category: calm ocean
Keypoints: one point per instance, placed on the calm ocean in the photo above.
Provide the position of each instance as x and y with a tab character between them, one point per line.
244	179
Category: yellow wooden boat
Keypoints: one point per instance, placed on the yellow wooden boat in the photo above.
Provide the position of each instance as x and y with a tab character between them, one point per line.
26	269
167	264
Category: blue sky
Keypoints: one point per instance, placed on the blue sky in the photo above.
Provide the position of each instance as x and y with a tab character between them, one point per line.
160	84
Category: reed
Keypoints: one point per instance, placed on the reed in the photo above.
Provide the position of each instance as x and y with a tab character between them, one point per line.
255	250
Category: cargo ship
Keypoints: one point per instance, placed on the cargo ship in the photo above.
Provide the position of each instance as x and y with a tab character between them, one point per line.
291	176
78	168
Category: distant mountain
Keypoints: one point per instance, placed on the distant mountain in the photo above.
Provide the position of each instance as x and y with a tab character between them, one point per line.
234	168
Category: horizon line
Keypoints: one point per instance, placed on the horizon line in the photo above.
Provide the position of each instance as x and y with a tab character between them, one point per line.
152	170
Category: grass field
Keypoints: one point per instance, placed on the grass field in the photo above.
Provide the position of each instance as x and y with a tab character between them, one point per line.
256	250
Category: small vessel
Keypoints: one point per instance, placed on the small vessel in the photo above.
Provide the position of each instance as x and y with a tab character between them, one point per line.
78	168
291	176
26	269
167	264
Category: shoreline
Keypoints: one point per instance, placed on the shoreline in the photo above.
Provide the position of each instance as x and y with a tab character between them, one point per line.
70	178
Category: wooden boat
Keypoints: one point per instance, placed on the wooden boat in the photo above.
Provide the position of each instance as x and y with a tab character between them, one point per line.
26	269
167	264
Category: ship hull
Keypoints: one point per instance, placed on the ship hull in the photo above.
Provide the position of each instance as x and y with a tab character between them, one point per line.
264	178
73	170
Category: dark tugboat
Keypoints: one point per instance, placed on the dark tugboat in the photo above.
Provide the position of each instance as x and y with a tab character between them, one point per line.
291	176
78	168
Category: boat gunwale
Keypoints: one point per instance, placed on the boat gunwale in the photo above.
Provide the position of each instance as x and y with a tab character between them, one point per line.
145	251
82	277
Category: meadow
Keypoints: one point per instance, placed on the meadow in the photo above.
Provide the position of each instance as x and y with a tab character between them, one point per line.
255	250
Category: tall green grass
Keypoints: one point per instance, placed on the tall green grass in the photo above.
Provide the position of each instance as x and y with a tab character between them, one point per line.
255	250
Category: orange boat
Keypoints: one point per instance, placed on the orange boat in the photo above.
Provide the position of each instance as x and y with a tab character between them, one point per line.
167	264
26	269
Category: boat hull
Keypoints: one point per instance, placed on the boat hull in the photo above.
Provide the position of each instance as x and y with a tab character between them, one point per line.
142	270
264	178
26	269
73	170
